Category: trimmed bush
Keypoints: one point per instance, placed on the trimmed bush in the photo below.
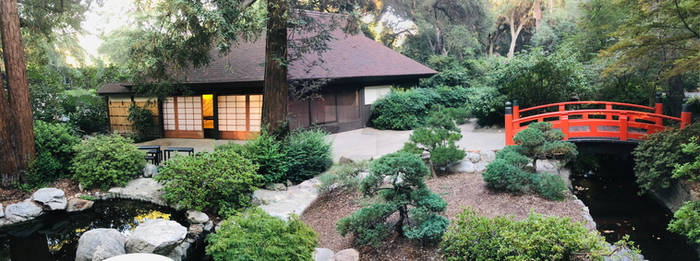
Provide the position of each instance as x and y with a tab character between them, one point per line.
656	157
501	175
255	235
438	139
267	152
107	161
473	237
221	181
308	154
406	110
551	186
406	173
54	143
686	221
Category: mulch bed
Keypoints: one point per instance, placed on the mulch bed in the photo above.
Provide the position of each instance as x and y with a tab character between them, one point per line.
12	195
459	190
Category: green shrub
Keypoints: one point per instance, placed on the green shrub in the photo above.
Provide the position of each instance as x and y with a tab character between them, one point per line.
220	181
86	111
473	237
540	141
267	152
255	235
438	139
308	154
141	120
689	170
107	161
686	221
405	110
551	186
487	105
406	173
501	175
511	154
656	157
345	177
54	143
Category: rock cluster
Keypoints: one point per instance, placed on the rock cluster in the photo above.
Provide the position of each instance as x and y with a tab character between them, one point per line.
473	162
293	200
325	254
41	201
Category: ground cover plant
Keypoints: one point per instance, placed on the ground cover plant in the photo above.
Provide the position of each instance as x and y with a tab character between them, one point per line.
255	235
473	237
515	167
107	161
438	139
343	177
220	182
419	209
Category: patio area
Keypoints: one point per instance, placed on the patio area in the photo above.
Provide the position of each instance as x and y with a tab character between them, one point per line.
361	144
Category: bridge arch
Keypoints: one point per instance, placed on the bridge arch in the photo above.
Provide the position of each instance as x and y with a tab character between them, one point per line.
594	120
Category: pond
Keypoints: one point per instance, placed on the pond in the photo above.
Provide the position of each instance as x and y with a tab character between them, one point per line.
54	236
611	195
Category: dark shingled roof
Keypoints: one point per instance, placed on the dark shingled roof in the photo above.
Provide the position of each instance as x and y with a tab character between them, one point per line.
350	56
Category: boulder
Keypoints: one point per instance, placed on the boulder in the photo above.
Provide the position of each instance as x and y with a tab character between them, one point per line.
480	167
474	157
139	257
209	226
100	244
197	217
180	251
150	170
2	213
78	204
349	254
323	254
464	166
50	198
344	160
156	236
487	155
22	211
145	189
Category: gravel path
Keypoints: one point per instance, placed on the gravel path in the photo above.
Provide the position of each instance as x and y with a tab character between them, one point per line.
459	190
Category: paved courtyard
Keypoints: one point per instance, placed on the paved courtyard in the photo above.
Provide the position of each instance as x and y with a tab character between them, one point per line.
365	143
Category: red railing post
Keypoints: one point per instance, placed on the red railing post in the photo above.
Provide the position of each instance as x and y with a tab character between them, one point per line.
623	127
565	126
685	116
516	110
509	124
608	107
659	109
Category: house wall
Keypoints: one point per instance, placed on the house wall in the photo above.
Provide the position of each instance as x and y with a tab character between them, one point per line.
118	109
338	108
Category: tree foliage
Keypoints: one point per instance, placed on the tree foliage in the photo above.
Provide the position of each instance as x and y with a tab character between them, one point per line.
438	139
418	208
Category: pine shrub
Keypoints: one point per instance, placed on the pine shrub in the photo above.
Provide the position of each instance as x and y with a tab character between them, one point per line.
107	161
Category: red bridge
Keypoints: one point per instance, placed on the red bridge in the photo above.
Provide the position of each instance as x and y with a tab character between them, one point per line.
594	120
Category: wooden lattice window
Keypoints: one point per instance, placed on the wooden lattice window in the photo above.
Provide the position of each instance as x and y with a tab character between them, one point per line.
189	113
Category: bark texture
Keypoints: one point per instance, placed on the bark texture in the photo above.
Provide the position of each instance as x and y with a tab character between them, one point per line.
276	87
16	107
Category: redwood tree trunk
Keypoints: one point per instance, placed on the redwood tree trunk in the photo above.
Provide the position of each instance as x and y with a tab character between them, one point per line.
9	162
276	87
18	89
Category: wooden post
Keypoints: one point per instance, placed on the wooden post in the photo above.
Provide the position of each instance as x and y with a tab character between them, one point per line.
509	124
659	109
685	116
516	110
623	127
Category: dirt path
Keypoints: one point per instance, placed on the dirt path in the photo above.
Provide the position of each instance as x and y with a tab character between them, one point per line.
459	190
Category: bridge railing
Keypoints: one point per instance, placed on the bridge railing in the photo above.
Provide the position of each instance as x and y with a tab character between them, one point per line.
577	120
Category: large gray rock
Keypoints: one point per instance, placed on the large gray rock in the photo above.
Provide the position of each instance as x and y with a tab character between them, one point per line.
349	254
78	204
487	156
197	217
145	189
22	211
474	157
50	198
294	200
323	254
100	244
139	257
156	236
464	166
2	213
150	170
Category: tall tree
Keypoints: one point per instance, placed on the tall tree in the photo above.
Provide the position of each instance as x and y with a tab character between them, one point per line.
276	87
516	14
16	124
663	33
